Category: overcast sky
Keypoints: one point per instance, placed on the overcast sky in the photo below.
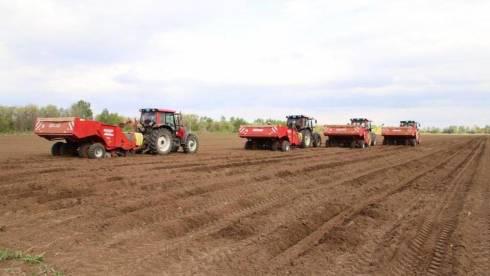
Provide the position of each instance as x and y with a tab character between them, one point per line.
387	60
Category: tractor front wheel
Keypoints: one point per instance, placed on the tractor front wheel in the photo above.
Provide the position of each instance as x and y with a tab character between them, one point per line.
192	144
160	141
96	151
317	140
306	135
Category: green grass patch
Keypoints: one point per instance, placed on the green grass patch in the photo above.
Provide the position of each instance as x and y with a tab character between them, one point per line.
10	255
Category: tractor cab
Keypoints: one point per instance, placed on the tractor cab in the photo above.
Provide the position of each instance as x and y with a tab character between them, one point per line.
361	122
164	131
409	124
155	118
305	126
301	122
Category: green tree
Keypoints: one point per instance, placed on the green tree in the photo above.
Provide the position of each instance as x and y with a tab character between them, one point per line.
109	118
6	119
236	123
81	109
51	111
24	117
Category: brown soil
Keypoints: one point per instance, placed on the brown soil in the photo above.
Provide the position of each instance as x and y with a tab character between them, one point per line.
386	210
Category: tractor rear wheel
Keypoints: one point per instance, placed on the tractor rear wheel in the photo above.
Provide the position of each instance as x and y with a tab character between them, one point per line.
160	141
307	139
96	151
191	144
275	145
56	148
83	150
317	140
285	146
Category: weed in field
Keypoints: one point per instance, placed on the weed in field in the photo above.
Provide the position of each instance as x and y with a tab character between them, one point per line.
8	255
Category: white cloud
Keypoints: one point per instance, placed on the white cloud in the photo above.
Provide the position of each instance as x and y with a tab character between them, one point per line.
243	50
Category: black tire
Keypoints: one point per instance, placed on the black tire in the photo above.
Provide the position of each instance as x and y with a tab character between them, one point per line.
285	146
175	148
374	139
307	138
275	145
83	150
96	151
191	144
248	145
328	142
413	142
56	148
160	141
68	149
317	140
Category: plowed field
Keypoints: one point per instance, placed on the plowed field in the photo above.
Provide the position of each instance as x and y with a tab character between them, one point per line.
386	210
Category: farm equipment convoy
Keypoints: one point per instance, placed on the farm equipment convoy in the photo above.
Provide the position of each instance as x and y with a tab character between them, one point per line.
357	134
159	131
406	134
299	132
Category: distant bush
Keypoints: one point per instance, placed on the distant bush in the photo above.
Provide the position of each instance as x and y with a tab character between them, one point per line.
22	119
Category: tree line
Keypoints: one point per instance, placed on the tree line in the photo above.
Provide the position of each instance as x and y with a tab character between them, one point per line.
458	130
22	119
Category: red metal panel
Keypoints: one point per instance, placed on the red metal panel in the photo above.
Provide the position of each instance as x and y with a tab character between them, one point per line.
399	131
343	130
262	131
55	126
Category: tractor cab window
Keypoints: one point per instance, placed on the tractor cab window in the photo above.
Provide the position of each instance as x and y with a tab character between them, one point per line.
169	120
148	117
291	123
356	123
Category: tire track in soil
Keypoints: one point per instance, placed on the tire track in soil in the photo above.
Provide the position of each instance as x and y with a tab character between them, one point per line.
204	260
364	259
216	225
314	238
410	260
229	190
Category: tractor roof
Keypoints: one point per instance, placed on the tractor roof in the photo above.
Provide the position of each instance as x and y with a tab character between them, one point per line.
157	110
360	120
298	116
408	122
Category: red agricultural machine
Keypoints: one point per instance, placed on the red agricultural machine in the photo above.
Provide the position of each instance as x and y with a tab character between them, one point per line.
160	131
357	134
406	134
299	131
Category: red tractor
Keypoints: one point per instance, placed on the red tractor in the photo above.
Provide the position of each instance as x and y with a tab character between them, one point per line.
358	134
298	132
164	132
406	134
